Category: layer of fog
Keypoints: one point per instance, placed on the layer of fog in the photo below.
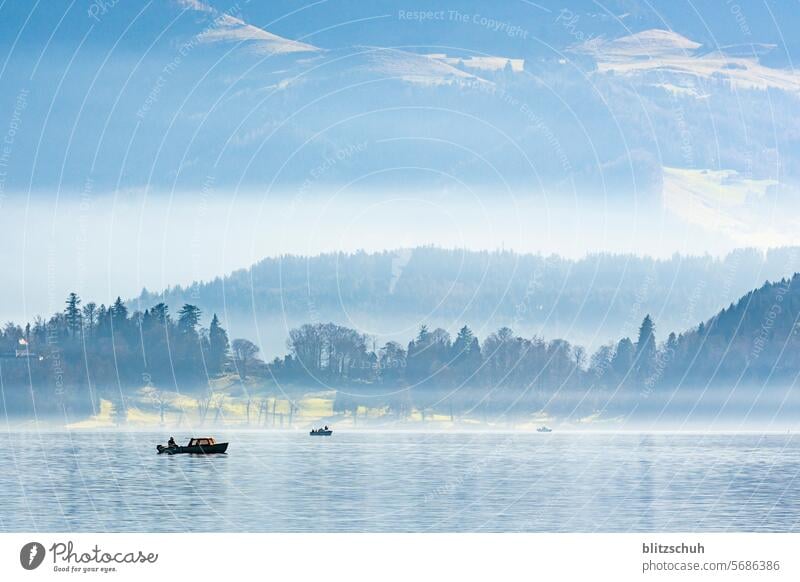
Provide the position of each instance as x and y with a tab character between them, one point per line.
102	246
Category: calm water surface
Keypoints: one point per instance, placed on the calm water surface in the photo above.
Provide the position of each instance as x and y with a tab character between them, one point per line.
372	481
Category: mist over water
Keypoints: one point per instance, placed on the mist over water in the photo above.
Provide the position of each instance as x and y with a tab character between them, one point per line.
402	481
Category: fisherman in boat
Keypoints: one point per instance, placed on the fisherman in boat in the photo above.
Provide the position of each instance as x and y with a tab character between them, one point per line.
171	442
326	427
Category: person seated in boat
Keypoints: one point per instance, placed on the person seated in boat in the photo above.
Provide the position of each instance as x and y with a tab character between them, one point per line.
326	427
171	442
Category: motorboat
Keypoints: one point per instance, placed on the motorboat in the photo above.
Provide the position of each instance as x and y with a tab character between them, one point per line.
196	446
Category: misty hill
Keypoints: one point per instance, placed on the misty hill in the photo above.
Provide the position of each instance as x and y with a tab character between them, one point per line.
756	339
388	294
738	367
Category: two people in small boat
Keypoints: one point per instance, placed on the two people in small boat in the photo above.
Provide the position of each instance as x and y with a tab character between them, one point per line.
326	429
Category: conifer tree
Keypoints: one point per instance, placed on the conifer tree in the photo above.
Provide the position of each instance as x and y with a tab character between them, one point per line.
218	346
72	314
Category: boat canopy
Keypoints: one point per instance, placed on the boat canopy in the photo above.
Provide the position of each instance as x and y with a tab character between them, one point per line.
201	442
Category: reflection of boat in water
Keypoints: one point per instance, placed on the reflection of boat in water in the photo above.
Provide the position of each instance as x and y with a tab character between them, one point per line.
544	429
198	446
321	431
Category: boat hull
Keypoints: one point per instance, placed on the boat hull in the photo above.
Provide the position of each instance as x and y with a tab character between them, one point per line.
321	433
215	449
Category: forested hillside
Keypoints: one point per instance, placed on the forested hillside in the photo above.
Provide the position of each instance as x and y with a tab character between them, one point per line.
588	301
746	355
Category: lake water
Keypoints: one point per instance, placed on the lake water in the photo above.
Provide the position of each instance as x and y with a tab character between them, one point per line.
401	482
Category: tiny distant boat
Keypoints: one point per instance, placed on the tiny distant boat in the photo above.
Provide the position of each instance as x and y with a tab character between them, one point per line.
196	446
544	429
321	431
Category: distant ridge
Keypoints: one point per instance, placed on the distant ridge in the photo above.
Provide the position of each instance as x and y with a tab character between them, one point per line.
588	301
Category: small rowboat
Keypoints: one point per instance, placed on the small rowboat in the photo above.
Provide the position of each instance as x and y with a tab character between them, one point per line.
201	446
544	429
321	432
